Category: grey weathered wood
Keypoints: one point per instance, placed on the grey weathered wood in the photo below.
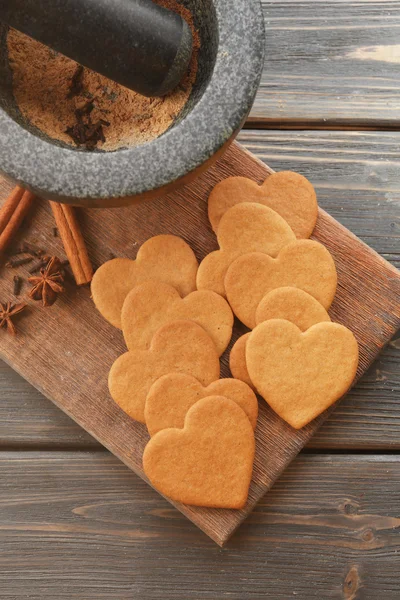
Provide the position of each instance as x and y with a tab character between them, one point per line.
77	526
356	176
330	63
29	419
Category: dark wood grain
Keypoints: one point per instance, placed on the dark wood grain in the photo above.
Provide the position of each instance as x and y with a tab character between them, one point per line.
67	352
330	63
356	176
82	526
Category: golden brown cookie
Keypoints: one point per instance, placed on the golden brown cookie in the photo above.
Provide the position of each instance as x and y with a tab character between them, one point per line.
171	396
181	347
207	463
153	304
305	264
246	227
301	374
165	258
237	361
291	304
289	194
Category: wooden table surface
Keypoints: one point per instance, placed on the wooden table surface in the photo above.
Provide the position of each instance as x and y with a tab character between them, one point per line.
77	524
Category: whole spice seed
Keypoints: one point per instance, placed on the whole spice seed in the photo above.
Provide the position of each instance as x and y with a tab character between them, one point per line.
18	262
87	134
40	265
7	313
17	285
84	132
76	85
66	271
28	248
47	285
32	249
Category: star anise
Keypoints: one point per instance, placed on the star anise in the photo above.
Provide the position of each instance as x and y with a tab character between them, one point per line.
7	312
47	285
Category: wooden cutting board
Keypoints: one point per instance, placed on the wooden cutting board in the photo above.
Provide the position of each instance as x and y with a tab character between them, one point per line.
66	351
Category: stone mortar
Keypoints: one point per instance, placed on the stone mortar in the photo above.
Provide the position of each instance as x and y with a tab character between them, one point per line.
230	66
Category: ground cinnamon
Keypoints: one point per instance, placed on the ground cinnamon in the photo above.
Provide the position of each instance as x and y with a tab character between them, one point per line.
51	92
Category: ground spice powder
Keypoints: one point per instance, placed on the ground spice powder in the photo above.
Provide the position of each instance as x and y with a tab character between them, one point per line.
42	84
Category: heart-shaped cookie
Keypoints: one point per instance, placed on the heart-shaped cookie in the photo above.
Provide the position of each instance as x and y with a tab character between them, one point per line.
301	374
246	227
207	463
165	258
237	361
180	347
171	396
292	304
153	304
290	194
305	264
288	303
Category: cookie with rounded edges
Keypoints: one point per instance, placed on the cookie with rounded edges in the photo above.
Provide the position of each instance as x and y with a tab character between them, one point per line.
181	346
290	194
246	227
171	396
237	361
153	304
305	264
288	303
292	304
301	374
207	463
165	258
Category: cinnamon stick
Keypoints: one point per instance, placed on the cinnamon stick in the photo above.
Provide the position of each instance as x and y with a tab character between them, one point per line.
12	214
9	206
73	241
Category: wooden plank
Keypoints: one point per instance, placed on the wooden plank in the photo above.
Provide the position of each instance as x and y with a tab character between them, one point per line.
28	419
66	352
330	63
81	526
356	176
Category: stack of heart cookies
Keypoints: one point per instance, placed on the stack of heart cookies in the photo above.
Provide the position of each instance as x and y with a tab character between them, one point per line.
177	320
202	427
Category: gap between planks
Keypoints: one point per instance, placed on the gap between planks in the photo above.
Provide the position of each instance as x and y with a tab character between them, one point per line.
84	448
320	125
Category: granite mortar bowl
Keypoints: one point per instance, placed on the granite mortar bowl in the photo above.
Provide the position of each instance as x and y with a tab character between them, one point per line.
230	65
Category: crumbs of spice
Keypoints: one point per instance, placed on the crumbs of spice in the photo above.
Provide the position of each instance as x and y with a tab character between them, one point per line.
17	281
